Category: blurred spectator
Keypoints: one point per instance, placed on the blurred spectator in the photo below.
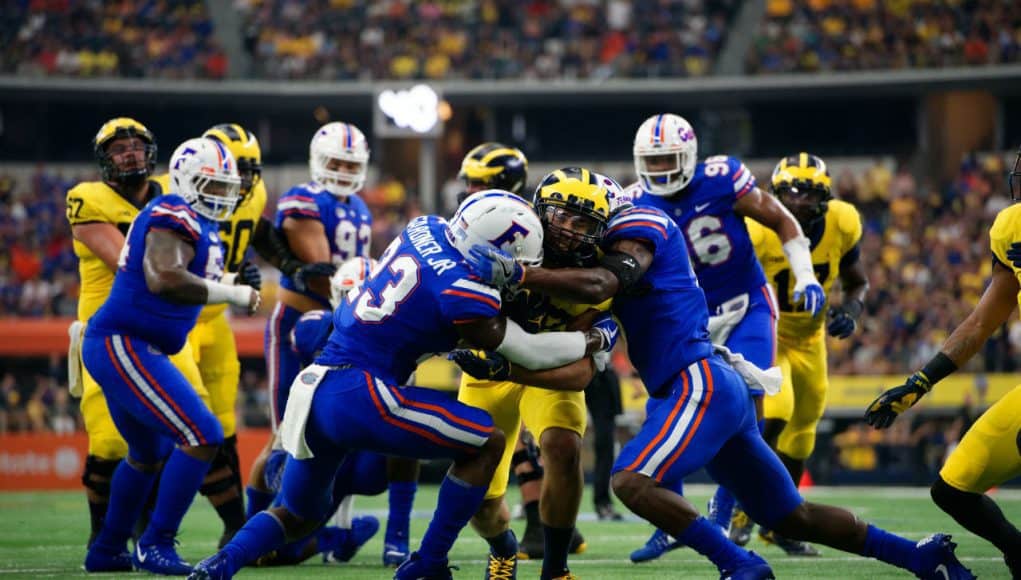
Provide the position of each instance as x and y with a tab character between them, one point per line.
832	35
540	39
127	38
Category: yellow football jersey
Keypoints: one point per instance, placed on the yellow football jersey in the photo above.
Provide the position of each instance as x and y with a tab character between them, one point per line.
235	233
96	202
1005	231
842	230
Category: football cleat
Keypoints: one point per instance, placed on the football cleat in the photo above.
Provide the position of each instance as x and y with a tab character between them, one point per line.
499	568
533	545
658	544
606	512
578	543
99	560
415	568
755	568
212	568
160	558
792	547
395	551
343	544
940	563
741	527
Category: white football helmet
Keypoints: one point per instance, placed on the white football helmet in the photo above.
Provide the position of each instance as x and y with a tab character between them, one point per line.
665	135
204	173
499	219
341	142
349	278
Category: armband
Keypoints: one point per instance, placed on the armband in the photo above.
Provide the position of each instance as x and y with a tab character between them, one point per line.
624	266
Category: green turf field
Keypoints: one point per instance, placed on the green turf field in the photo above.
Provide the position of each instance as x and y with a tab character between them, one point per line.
44	533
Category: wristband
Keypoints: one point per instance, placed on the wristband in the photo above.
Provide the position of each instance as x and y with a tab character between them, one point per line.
938	368
219	293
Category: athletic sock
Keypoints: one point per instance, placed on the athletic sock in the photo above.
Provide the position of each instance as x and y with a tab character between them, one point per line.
398	521
557	542
457	503
129	490
705	538
261	535
258	501
892	549
183	475
504	544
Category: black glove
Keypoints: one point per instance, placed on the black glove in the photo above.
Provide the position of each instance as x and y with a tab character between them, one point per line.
249	275
482	364
301	275
1014	254
843	319
885	409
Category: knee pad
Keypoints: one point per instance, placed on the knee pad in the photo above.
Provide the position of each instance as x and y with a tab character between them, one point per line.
273	474
223	462
98	473
528	455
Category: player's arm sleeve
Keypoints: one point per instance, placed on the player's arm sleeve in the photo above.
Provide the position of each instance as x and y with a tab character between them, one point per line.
297	204
638	224
741	177
175	215
83	207
850	226
467	300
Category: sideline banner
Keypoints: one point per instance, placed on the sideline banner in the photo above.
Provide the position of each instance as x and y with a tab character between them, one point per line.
47	461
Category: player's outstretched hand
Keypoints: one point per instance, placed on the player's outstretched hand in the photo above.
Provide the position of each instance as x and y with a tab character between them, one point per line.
1014	254
811	294
250	275
306	272
496	267
607	328
888	406
841	322
482	364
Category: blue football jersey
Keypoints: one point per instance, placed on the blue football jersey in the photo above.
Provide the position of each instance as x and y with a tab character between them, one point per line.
347	222
664	314
131	308
716	236
420	289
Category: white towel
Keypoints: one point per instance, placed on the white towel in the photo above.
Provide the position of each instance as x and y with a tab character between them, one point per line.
727	316
768	380
75	383
299	405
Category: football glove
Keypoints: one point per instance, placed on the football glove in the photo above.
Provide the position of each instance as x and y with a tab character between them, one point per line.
811	293
885	409
482	364
608	331
303	273
495	267
249	275
1014	254
842	321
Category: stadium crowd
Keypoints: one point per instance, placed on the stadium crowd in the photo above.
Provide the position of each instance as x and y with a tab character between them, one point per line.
123	38
838	35
349	39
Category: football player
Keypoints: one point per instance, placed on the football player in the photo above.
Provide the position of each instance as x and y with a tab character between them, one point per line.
802	183
420	298
706	416
989	454
322	220
708	201
100	214
170	265
556	418
493	166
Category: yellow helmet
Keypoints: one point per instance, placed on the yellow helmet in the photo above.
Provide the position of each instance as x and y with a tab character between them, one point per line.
243	145
574	207
495	166
802	183
118	128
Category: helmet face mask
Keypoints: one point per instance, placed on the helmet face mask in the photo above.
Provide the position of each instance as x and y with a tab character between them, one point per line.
665	154
339	158
574	207
802	184
116	147
203	172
